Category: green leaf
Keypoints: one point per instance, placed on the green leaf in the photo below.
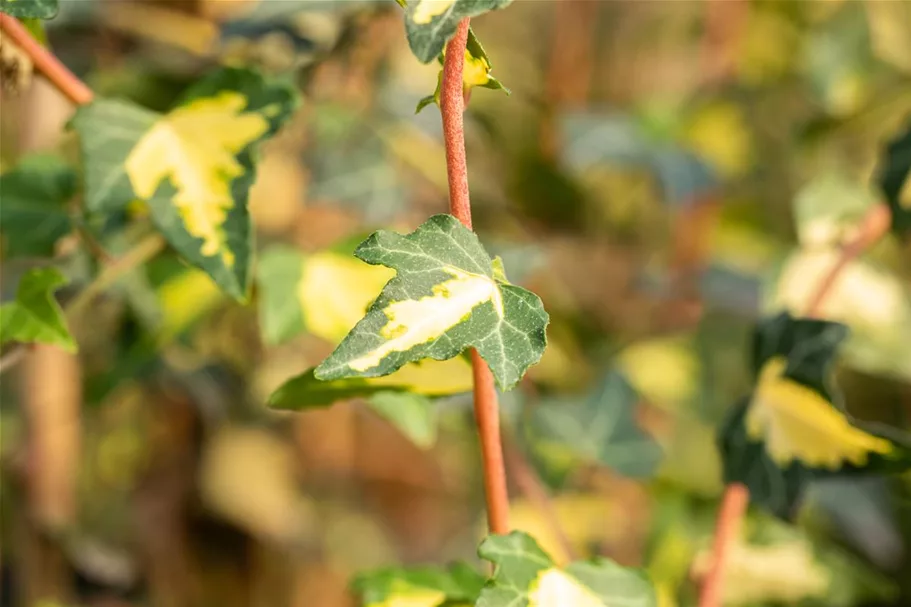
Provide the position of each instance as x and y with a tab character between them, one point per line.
599	429
893	179
33	197
829	207
414	415
35	316
526	576
793	428
193	166
28	9
443	300
430	24
419	586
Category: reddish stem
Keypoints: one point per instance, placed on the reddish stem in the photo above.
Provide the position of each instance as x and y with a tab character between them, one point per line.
46	63
486	407
736	497
733	508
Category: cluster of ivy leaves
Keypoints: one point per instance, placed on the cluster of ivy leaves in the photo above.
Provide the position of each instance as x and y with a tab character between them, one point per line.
429	295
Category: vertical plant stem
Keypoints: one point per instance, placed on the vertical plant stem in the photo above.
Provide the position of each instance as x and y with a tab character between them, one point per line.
874	226
734	504
45	62
486	407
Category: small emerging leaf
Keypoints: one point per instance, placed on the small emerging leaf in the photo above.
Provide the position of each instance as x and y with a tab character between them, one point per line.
33	197
792	428
430	24
35	316
599	429
30	9
443	300
895	180
526	576
193	167
475	73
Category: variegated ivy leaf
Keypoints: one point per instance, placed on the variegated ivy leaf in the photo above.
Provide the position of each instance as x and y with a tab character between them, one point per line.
447	296
793	427
430	24
193	167
526	576
30	9
457	586
476	73
35	316
895	180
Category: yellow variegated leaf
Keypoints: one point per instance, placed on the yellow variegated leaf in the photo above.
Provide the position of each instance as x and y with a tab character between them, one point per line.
196	147
413	322
797	424
185	298
425	10
430	377
554	588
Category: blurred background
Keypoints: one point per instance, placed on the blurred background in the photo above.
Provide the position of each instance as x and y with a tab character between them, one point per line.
662	175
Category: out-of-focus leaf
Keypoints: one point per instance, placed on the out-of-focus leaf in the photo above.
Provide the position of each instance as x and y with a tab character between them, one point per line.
665	371
616	139
425	377
33	197
860	511
719	134
430	24
894	181
600	429
525	576
324	294
456	586
828	209
792	428
35	316
194	166
870	300
444	299
776	563
890	30
30	9
247	476
414	415
185	298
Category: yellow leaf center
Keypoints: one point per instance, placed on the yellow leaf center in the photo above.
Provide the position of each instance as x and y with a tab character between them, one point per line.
196	147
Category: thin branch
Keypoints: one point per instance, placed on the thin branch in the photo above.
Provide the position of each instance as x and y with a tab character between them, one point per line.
875	225
45	62
734	504
736	496
486	407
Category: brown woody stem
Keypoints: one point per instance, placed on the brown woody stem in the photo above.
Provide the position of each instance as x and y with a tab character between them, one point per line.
486	407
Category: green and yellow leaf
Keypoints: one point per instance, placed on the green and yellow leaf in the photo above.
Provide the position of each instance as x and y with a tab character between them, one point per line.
193	167
792	428
456	586
430	24
526	576
35	316
444	299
